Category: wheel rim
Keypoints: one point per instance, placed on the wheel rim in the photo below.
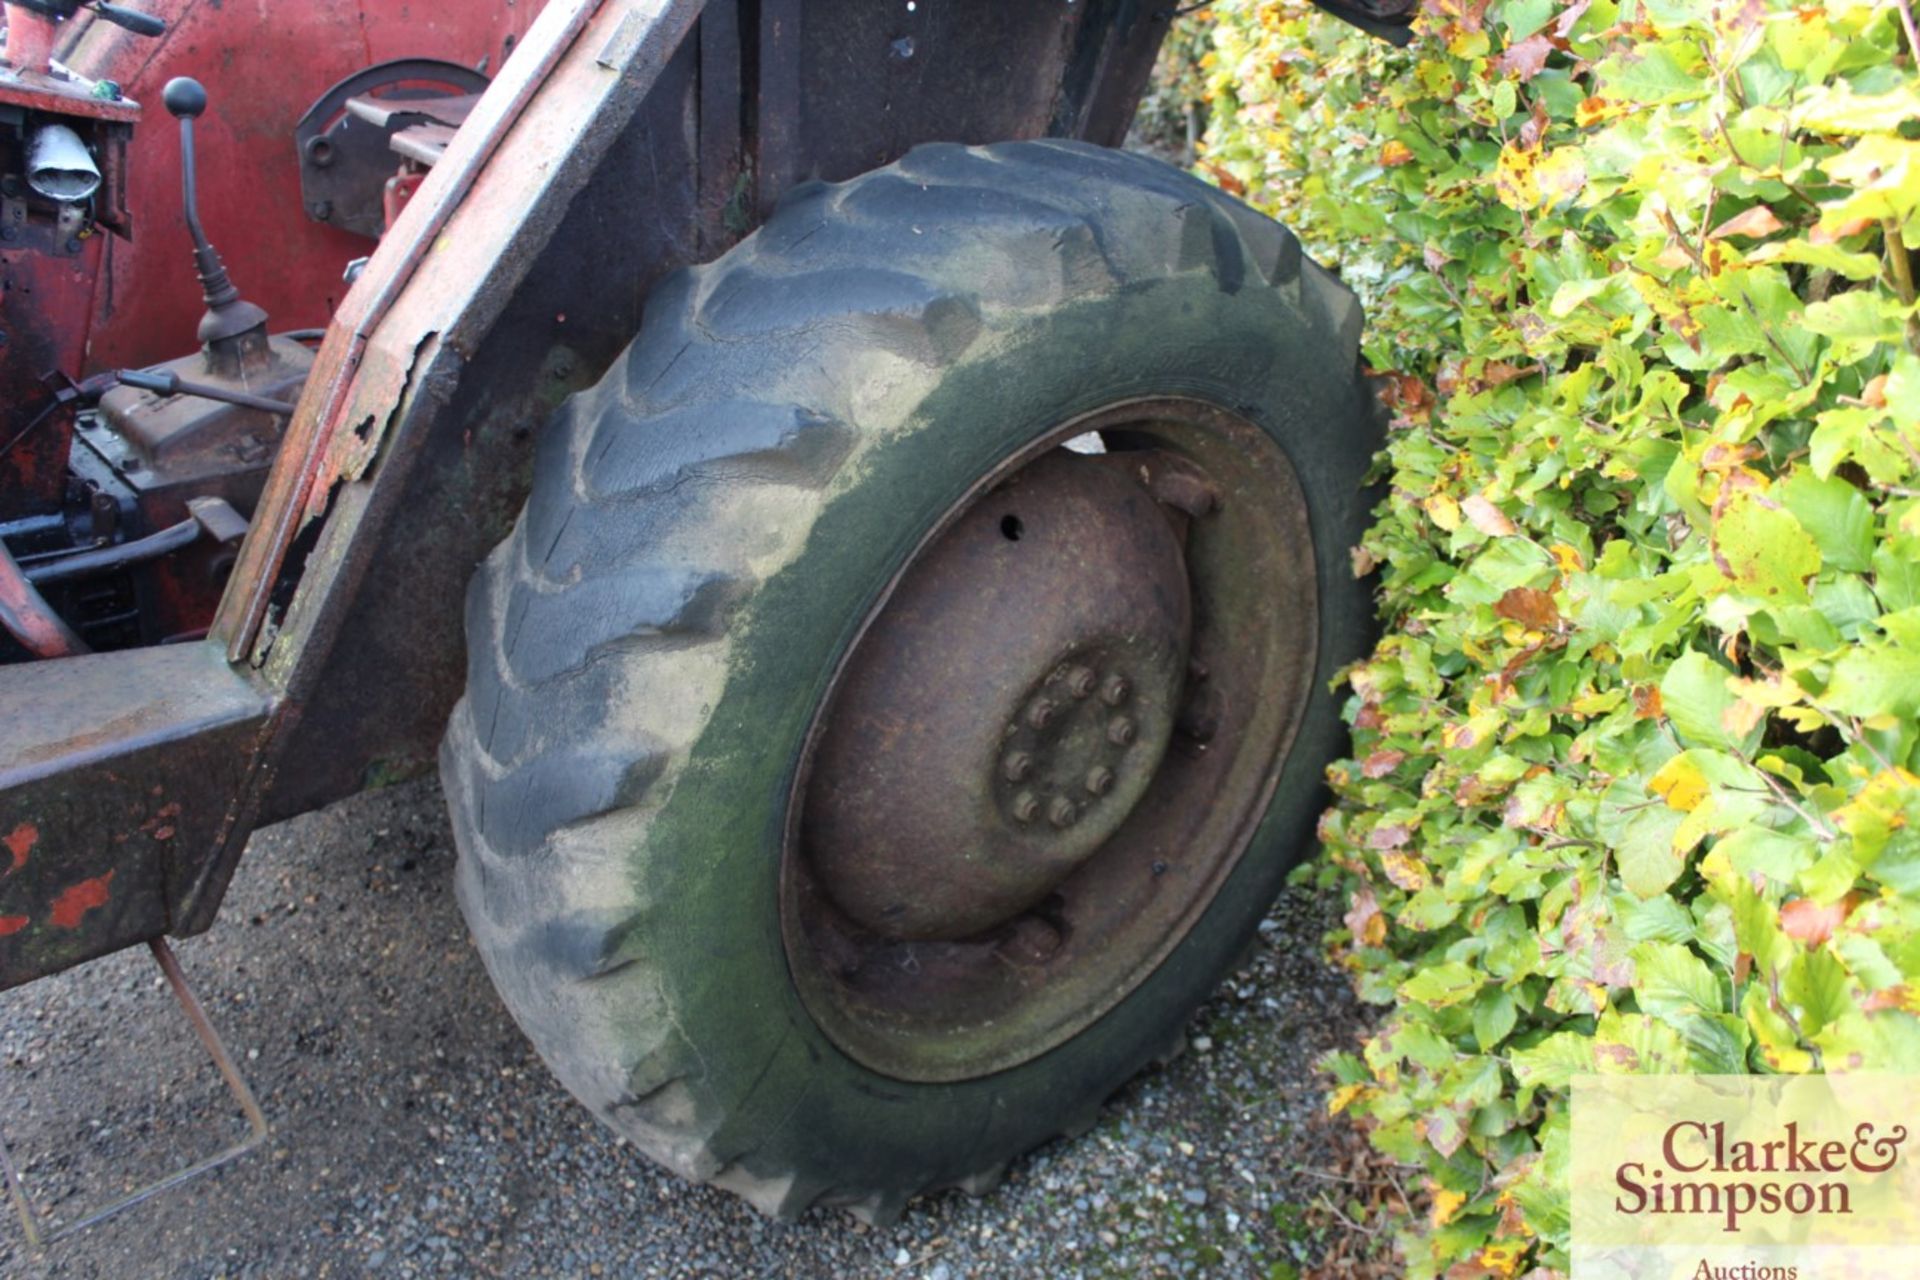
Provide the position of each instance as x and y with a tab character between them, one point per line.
1051	741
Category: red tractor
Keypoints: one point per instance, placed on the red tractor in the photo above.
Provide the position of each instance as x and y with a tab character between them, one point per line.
867	559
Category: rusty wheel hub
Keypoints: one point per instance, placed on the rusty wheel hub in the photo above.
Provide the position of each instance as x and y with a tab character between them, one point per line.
1051	742
1009	707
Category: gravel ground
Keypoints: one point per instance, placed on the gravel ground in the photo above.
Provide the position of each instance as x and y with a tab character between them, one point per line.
415	1132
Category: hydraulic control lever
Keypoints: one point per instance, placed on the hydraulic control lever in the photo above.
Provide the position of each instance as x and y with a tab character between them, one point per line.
168	383
234	331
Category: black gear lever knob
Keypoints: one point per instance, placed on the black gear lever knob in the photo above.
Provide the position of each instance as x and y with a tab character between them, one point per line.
232	326
184	96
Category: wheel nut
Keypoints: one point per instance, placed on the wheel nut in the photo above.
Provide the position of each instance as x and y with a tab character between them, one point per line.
1063	812
1040	713
1025	805
1080	681
1120	731
1016	766
1115	690
1100	781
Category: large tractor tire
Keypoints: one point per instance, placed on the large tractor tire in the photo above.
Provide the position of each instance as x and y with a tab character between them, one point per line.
855	786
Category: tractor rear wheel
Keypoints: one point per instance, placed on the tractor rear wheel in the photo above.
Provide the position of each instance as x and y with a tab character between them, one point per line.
908	683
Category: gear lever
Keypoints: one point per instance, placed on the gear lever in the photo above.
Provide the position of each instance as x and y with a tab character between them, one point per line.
233	331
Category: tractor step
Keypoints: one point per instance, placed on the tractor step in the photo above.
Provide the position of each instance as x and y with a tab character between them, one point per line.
36	1227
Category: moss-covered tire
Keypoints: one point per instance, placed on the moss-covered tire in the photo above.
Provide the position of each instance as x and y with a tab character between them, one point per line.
708	527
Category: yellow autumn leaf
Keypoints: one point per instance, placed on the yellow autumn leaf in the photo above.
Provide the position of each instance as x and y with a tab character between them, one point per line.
1805	719
1680	783
1461	737
1345	1096
1515	176
1594	704
1405	870
1567	558
1880	807
1715	868
1444	511
1772	692
1882	173
1445	1204
1592	111
1469	44
1561	175
1837	109
1503	1256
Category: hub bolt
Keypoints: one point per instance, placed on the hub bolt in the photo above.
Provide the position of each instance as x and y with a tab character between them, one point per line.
1063	812
1120	731
1016	766
1025	805
1115	691
1080	681
1100	781
1040	713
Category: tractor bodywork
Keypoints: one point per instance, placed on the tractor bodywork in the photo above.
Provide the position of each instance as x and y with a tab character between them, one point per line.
617	140
249	561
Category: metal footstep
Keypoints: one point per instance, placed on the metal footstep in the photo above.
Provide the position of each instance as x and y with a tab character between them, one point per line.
38	1234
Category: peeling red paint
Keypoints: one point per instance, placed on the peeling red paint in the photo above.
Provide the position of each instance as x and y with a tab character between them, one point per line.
10	925
19	843
76	901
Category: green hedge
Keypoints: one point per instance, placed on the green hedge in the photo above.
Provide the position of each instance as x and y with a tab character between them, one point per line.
1632	786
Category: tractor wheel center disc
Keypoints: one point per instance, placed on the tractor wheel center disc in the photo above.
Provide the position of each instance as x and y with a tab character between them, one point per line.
1041	758
1008	707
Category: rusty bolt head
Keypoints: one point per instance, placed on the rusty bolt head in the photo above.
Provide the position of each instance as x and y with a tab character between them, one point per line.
1120	731
1080	681
1025	805
1099	780
1115	690
1040	712
1016	766
1063	812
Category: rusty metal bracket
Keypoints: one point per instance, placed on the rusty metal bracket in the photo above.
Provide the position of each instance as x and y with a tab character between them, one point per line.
38	1235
